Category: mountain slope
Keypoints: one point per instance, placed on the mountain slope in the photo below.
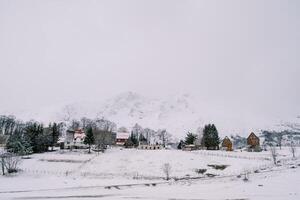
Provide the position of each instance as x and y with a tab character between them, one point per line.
178	114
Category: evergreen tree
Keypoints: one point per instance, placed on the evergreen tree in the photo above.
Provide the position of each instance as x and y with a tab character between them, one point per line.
18	144
190	138
132	141
38	139
210	138
142	138
43	141
180	145
89	138
54	131
128	143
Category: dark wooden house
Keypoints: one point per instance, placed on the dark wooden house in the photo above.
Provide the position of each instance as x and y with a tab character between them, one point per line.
227	144
253	142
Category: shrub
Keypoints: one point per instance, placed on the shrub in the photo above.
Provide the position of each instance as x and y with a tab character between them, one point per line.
218	167
10	162
200	171
210	175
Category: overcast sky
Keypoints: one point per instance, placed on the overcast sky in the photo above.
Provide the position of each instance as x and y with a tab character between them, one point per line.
235	53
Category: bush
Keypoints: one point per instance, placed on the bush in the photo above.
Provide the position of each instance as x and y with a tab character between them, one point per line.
210	175
218	167
200	171
10	171
10	162
257	149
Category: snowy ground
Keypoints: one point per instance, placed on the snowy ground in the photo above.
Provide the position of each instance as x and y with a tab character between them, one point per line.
78	175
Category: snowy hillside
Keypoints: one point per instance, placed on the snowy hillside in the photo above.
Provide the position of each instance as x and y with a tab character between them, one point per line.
138	174
178	114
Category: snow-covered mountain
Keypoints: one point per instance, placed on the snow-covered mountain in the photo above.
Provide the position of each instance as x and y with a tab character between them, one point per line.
178	114
175	113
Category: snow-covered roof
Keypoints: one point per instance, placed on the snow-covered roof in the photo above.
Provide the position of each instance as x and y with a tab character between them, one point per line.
122	135
79	134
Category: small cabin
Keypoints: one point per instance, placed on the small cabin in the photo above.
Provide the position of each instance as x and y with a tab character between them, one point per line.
227	144
253	142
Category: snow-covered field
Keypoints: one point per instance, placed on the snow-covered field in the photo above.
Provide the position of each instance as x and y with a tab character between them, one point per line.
78	175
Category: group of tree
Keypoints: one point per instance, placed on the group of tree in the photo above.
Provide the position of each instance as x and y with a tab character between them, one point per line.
99	131
29	137
150	136
96	124
279	138
132	141
238	141
9	124
272	138
210	138
190	138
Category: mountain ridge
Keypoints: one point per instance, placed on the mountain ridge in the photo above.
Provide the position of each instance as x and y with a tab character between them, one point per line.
176	113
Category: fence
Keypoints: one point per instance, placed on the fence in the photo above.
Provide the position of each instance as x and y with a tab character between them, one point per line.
226	155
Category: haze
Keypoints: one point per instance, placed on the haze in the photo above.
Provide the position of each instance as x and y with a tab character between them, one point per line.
242	55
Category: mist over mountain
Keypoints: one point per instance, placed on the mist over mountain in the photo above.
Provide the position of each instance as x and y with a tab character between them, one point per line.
176	113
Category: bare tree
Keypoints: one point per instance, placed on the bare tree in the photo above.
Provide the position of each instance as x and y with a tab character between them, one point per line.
74	124
167	170
9	162
164	136
273	154
150	135
199	133
105	125
123	130
86	122
293	149
68	113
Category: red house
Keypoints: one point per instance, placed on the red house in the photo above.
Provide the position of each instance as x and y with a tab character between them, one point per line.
122	138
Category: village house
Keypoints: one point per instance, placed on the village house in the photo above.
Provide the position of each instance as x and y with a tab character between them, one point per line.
75	139
226	144
151	144
253	142
121	138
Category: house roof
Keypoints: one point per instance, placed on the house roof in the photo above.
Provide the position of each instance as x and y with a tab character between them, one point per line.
252	135
122	135
79	133
226	140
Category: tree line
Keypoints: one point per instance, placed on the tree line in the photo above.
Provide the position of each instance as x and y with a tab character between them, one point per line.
210	138
29	137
